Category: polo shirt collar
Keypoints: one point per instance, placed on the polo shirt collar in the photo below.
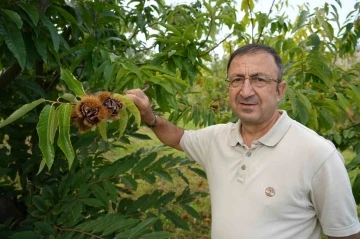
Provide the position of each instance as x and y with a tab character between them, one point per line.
271	138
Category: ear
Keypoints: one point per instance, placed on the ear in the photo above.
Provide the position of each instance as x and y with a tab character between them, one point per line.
280	90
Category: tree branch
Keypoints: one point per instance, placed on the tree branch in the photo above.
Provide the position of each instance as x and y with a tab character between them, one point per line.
75	230
212	48
252	22
10	74
352	126
272	5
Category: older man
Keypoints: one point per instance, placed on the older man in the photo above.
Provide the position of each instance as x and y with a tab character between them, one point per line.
269	176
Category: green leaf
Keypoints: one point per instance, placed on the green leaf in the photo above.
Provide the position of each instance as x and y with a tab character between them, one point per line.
119	224
54	34
20	112
157	235
129	104
171	29
133	68
31	11
177	220
356	189
64	141
191	211
141	227
69	97
45	132
40	203
145	162
44	227
345	104
354	163
14	17
25	235
102	130
158	69
109	74
42	165
14	41
92	202
123	120
73	84
301	20
198	171
100	194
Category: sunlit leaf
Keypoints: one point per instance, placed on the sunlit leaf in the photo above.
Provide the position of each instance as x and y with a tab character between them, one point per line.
123	120
73	84
20	112
64	141
129	104
46	133
102	130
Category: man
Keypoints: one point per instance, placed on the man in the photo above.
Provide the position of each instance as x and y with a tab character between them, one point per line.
269	176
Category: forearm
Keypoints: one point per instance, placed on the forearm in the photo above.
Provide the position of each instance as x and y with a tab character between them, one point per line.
168	133
355	236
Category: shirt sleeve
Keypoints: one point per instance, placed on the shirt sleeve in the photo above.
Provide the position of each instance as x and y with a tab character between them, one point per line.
195	144
333	199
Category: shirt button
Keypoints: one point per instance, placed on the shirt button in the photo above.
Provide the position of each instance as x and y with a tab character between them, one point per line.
248	154
240	179
243	167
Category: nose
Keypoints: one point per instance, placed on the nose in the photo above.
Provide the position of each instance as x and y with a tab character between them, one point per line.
247	90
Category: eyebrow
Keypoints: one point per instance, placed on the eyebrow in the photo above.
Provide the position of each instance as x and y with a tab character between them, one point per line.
254	74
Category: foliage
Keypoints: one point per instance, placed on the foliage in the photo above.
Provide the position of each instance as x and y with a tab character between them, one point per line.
55	53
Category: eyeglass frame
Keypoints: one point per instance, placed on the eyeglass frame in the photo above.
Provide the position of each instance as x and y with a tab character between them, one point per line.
266	79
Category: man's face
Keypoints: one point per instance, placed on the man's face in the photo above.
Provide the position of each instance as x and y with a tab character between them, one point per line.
255	105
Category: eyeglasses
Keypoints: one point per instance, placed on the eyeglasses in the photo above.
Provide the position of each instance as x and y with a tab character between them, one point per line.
258	81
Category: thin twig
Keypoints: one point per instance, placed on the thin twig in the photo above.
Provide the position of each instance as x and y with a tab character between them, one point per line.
252	22
352	126
208	35
209	50
74	230
272	5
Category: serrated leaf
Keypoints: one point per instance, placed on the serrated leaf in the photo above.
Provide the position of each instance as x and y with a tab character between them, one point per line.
141	227
345	104
191	211
45	227
14	41
109	73
171	28
176	219
198	171
64	142
44	130
130	105
144	162
100	193
356	189
301	20
54	34
92	202
102	130
133	68
14	17
69	97
119	224
157	235
25	235
39	203
73	84
123	120
20	112
158	69
41	167
31	11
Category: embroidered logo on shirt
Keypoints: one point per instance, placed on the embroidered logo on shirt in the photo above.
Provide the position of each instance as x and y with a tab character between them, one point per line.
270	191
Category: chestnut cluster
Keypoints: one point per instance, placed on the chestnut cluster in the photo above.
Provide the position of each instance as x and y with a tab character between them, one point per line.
93	109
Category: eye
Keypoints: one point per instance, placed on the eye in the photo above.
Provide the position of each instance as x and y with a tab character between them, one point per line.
238	80
258	78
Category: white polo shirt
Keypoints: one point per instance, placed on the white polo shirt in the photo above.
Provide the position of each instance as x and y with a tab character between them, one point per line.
289	184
